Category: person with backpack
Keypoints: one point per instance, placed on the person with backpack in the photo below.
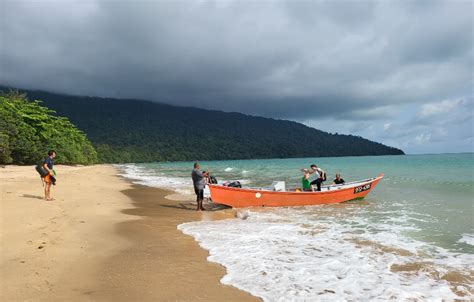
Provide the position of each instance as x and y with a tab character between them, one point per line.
320	176
49	179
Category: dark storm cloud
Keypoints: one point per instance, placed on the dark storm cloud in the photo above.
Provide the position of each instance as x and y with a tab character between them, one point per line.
270	58
302	60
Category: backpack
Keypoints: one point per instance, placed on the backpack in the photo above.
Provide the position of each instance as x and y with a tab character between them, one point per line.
323	176
212	179
41	170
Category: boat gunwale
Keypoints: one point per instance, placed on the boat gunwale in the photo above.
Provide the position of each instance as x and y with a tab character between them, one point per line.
253	190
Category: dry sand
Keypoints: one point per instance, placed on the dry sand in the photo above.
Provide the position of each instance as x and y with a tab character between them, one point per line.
102	239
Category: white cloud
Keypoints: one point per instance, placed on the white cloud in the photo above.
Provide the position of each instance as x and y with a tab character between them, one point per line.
423	138
443	107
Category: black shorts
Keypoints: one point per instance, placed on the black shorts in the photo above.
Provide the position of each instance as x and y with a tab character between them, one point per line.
316	181
199	193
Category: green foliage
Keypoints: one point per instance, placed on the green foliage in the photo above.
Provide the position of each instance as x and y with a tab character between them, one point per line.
141	131
28	130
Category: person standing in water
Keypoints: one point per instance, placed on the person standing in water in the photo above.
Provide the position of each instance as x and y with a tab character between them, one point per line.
49	179
199	182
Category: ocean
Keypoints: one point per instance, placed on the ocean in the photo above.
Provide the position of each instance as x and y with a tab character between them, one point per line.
412	237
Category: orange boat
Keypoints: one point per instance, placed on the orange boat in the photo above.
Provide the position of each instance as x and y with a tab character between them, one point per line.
261	197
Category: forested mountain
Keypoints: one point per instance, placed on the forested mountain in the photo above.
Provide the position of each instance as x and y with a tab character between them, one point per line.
124	130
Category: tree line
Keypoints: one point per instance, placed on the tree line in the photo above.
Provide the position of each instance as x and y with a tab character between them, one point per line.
28	130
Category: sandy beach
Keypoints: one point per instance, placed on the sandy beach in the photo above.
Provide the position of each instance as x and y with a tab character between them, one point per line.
102	238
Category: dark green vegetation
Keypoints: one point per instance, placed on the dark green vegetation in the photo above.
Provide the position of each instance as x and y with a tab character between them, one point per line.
142	131
28	130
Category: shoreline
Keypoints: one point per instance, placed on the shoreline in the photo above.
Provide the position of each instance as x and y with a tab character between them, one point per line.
173	265
103	238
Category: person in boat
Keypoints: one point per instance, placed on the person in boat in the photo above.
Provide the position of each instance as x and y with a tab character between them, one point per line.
206	177
338	180
305	183
210	179
320	176
199	182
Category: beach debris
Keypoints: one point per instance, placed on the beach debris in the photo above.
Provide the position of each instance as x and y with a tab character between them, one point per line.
242	214
326	291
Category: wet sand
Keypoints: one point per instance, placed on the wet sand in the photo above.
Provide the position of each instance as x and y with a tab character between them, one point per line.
162	263
102	239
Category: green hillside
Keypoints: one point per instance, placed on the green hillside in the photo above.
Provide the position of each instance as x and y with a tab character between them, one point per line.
142	131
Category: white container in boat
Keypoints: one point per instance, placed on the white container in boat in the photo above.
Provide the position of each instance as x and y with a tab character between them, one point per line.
278	186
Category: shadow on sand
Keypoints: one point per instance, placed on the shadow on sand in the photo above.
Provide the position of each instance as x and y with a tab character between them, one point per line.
32	196
192	207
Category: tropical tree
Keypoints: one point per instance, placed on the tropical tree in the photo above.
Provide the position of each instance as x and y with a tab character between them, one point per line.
28	130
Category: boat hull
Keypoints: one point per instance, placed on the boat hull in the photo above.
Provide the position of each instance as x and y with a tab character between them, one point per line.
243	197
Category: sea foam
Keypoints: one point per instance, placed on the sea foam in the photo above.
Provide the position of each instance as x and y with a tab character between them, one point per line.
325	254
143	176
467	238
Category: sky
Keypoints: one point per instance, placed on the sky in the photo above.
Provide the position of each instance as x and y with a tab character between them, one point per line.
397	72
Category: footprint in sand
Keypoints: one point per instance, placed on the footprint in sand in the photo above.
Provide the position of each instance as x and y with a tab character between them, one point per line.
49	285
42	245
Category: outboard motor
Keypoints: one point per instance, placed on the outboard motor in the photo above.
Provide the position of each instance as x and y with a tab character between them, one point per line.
235	184
212	179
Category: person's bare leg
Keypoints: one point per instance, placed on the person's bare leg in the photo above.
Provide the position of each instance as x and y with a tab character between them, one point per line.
48	195
200	205
46	191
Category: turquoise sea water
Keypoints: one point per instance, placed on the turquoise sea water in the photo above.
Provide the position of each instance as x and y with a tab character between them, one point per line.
421	212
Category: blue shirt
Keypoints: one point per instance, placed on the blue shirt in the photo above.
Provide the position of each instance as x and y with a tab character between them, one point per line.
49	162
